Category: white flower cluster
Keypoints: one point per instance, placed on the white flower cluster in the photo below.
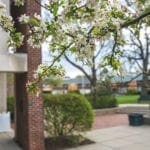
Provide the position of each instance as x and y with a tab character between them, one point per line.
24	18
76	20
6	23
15	40
41	68
44	71
37	29
19	2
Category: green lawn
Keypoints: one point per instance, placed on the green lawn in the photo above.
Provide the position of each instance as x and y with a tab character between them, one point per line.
127	99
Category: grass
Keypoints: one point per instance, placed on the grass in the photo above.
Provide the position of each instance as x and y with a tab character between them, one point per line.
127	99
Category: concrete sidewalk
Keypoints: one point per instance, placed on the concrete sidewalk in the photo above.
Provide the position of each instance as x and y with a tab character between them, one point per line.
6	141
125	108
134	108
118	138
115	138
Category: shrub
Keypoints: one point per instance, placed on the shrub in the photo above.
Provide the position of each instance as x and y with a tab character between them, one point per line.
102	101
66	114
103	96
132	92
10	106
74	92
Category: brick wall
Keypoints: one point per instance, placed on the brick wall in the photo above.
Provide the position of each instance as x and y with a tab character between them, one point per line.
29	108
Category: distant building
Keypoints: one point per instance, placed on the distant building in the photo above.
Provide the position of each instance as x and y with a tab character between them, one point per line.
80	83
120	84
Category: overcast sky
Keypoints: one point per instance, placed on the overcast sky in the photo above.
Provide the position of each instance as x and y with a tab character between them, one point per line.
70	70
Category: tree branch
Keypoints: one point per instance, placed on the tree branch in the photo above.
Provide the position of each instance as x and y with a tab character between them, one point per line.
128	3
137	62
54	61
147	44
133	58
126	83
77	66
99	51
39	3
128	23
114	46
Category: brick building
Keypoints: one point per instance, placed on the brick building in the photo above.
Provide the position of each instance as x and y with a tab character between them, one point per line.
121	84
29	128
29	107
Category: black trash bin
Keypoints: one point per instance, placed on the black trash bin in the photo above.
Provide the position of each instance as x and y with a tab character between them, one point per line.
136	119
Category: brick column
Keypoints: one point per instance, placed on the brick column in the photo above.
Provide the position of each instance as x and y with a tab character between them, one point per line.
29	107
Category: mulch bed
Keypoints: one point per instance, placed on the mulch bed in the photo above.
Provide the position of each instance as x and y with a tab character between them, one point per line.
62	143
101	121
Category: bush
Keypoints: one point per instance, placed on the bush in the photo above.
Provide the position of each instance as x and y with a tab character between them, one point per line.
74	92
103	96
132	92
10	106
102	101
66	114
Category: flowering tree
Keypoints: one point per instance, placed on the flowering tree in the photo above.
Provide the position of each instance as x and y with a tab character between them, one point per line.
74	26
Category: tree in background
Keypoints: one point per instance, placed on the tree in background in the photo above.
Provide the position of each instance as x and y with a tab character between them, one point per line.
137	48
138	54
92	67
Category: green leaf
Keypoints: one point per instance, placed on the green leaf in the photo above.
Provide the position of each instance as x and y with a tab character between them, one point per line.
73	49
34	22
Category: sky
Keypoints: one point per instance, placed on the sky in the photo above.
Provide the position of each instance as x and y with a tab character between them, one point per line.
69	69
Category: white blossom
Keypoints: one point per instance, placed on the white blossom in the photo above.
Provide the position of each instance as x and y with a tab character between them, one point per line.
38	17
19	2
24	18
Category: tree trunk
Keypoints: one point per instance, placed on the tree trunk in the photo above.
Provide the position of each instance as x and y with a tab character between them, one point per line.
94	92
145	84
94	82
145	81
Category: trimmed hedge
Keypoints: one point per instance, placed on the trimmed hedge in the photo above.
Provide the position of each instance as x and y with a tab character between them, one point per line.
132	92
66	114
74	92
102	101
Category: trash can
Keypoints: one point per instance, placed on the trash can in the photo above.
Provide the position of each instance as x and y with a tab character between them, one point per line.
136	119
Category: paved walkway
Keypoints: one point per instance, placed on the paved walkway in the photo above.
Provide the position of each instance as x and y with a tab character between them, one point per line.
119	138
110	120
6	141
114	138
110	132
134	105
